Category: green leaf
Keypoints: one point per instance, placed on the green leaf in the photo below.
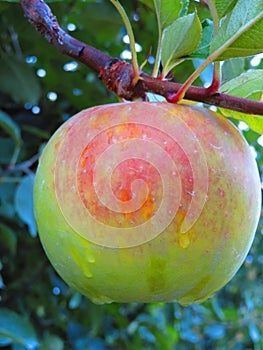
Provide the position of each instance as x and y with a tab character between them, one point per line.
7	239
18	80
149	3
24	203
12	129
180	39
167	11
185	7
17	328
52	342
7	191
223	6
207	35
48	1
242	31
75	301
233	68
5	341
247	85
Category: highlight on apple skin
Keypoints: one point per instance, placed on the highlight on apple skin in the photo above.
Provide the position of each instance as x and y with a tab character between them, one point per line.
147	202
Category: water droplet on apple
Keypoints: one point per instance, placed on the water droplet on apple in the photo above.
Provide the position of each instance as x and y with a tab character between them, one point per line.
87	272
191	193
91	259
101	299
184	241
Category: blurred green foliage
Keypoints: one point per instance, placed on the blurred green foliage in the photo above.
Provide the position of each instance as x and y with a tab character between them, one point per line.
39	89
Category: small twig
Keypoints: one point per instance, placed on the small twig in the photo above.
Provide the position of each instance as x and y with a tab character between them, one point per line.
15	42
204	2
215	85
117	74
24	166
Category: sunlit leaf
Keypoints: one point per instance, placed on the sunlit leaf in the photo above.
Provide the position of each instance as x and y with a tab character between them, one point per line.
233	68
245	84
167	11
207	34
248	85
185	7
223	6
180	39
242	31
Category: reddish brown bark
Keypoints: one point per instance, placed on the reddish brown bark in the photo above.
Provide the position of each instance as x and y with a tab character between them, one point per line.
117	74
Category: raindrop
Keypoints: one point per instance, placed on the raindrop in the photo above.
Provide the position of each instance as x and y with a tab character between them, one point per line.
87	273
184	241
91	259
191	193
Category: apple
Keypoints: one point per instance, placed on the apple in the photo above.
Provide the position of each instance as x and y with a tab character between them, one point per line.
147	202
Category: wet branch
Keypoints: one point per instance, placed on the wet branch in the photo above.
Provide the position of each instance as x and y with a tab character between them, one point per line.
117	74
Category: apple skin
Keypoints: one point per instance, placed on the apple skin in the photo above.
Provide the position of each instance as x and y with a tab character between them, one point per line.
93	243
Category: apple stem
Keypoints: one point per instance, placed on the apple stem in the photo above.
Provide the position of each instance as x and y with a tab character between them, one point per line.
214	87
118	75
129	30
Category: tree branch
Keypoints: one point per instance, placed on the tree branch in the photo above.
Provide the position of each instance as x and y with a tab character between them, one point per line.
117	74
